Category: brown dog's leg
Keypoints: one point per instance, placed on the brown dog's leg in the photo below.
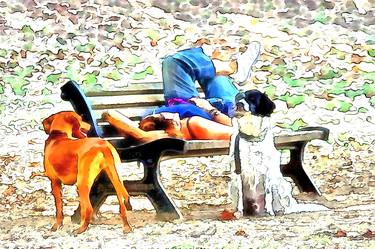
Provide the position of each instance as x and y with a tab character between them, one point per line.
86	208
56	191
122	195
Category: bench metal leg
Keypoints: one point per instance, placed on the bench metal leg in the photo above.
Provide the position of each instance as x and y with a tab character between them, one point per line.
294	169
152	188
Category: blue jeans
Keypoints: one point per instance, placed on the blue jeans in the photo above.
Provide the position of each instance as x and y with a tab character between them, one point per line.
181	70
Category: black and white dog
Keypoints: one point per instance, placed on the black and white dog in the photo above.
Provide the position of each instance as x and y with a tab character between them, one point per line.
257	186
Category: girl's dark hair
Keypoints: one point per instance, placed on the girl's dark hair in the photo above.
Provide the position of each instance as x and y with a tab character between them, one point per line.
151	123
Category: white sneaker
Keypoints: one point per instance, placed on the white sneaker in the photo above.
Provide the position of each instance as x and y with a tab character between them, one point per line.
245	61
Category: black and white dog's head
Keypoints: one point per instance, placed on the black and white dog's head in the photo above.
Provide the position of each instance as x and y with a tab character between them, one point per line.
255	102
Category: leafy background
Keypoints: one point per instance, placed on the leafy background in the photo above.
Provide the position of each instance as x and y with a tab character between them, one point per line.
317	64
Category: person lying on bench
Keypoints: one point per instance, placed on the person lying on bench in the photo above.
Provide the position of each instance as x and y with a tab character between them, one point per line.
187	116
215	72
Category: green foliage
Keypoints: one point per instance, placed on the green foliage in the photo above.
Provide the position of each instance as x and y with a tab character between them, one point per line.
321	16
371	40
222	20
183	247
270	90
114	75
71	72
353	93
292	100
3	52
91	78
133	59
369	89
275	50
342	137
362	110
17	80
326	74
339	54
319	240
54	78
118	62
46	91
17	84
28	33
371	52
372	101
280	69
153	34
143	74
330	105
110	28
268	6
288	79
28	45
298	124
369	76
295	126
86	48
339	87
24	72
344	106
179	40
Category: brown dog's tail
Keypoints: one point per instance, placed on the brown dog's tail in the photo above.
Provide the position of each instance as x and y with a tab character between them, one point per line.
110	170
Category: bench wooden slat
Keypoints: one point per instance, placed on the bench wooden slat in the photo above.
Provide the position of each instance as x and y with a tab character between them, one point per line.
133	89
135	113
126	101
145	88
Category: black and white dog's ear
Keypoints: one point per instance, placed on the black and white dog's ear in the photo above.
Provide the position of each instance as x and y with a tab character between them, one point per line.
259	103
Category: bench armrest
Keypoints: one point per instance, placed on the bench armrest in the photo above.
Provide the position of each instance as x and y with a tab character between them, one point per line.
303	135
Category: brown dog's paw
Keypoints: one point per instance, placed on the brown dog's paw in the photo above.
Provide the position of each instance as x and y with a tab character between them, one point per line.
79	230
127	229
55	227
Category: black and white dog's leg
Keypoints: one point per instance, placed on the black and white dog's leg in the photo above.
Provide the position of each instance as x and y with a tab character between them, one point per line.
235	186
247	187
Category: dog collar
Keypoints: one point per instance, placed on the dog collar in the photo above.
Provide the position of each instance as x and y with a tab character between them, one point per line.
56	133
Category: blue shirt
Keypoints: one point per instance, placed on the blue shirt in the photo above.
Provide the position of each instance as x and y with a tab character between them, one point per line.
184	110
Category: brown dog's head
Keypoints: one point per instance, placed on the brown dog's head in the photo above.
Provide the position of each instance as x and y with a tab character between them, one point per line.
67	122
169	122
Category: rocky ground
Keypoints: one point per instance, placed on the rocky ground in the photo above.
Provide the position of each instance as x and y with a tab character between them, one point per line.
317	64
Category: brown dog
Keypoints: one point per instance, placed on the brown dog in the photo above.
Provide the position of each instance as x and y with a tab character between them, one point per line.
72	158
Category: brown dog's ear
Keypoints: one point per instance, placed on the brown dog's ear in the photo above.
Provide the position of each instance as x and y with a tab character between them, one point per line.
79	127
47	123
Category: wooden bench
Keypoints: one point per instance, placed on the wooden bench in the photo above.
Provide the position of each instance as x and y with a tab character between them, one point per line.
139	99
